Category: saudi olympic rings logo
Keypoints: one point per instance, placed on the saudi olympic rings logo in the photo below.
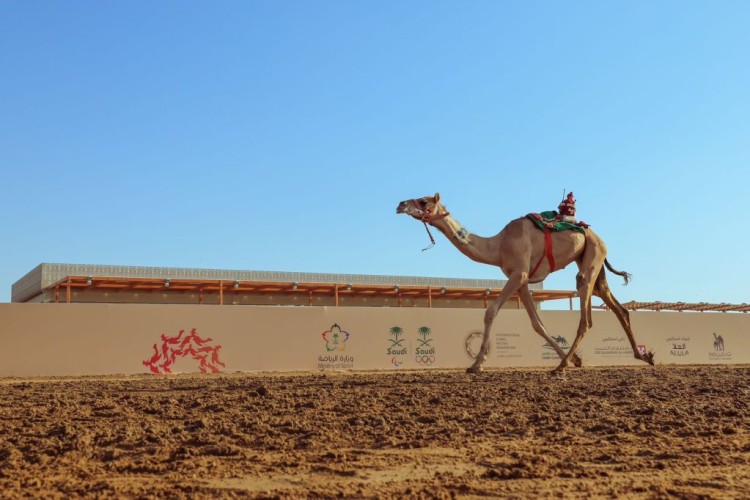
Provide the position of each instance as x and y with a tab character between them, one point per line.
424	360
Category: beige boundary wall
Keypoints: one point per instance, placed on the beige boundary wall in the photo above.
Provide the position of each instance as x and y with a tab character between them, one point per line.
99	339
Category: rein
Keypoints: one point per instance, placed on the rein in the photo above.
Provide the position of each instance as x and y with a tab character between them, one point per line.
432	240
428	218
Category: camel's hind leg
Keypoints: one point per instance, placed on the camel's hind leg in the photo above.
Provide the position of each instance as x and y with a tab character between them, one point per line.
602	291
589	266
536	323
515	281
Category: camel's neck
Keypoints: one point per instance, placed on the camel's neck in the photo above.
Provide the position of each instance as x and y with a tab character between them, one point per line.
474	247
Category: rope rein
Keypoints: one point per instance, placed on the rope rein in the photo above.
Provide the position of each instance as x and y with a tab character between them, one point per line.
428	218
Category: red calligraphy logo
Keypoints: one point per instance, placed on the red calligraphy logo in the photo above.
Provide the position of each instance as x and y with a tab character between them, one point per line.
192	345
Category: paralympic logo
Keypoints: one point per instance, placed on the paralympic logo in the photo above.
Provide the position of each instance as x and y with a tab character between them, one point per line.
396	348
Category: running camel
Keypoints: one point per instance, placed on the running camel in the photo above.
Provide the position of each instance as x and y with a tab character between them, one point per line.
525	254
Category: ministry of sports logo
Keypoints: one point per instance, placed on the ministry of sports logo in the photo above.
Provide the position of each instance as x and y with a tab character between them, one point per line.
335	338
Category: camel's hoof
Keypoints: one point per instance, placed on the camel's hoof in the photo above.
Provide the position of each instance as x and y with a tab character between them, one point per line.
474	369
648	358
560	368
558	373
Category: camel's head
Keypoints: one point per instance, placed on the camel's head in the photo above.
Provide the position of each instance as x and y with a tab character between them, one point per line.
425	209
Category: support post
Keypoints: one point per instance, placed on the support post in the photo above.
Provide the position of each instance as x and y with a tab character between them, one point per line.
221	293
67	293
429	297
336	292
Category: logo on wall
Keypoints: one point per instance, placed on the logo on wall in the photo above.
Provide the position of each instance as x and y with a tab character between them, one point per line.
424	354
192	345
335	342
335	338
505	343
473	343
678	346
396	348
719	353
614	346
549	352
718	343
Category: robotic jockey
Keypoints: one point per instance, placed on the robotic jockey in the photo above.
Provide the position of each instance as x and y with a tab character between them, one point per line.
567	209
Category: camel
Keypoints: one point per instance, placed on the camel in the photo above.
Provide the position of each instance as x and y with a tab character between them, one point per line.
520	251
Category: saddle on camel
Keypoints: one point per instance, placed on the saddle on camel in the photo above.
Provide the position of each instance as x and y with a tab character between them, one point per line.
550	221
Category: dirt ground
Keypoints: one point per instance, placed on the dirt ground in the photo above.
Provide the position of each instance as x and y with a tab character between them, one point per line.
600	432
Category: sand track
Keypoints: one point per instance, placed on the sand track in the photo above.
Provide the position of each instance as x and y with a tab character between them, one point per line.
641	432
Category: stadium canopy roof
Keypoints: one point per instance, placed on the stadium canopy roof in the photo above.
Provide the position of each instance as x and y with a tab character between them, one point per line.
684	306
289	288
58	281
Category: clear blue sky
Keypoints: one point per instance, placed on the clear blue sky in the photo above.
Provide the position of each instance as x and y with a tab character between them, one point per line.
280	135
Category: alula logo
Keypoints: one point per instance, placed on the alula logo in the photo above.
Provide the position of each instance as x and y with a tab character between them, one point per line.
335	338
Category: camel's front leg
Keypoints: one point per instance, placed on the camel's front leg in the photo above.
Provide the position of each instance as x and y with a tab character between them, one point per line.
515	281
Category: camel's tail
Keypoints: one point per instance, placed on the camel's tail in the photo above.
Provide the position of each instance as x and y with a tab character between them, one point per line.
625	276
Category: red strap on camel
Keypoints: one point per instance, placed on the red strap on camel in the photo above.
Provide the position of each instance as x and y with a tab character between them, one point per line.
547	253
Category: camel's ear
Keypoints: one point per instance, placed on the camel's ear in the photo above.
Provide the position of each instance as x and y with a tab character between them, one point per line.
437	197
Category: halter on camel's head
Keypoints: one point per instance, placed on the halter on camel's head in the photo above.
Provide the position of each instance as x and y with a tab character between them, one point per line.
426	210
